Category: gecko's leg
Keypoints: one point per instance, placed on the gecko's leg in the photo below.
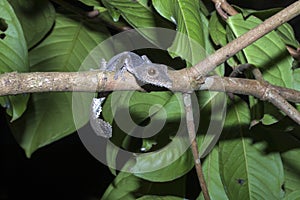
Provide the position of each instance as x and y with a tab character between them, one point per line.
103	64
125	66
146	59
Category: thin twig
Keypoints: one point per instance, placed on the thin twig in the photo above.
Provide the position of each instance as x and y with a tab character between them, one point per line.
240	69
225	6
295	53
220	10
275	98
192	135
221	55
258	75
278	101
247	87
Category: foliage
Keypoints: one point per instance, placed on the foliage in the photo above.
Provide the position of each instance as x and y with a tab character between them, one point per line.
247	163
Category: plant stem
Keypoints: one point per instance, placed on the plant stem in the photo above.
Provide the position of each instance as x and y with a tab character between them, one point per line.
192	136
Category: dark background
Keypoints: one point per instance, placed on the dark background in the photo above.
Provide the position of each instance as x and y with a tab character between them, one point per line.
64	169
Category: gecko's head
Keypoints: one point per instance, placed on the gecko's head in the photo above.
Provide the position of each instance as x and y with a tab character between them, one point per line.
155	74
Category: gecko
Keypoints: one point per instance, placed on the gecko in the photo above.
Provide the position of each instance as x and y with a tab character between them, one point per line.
142	69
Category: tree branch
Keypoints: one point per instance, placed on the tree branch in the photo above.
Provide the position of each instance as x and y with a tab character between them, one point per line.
92	81
98	81
221	55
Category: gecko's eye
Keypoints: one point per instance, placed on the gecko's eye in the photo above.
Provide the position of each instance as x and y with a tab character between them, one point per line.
152	72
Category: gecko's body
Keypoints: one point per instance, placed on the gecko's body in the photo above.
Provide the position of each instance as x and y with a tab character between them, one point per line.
142	68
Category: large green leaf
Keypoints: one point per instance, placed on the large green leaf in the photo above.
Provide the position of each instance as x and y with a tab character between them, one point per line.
217	30
174	170
178	160
128	186
151	197
67	46
106	16
268	53
193	43
285	31
36	18
13	56
287	35
212	177
261	14
123	187
246	172
49	116
47	119
138	14
136	105
296	76
168	158
293	196
291	166
131	9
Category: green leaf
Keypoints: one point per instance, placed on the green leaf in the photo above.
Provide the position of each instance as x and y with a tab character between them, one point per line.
280	137
15	105
246	172
296	82
108	15
261	14
49	116
287	35
217	30
212	177
138	14
151	197
285	31
47	119
128	186
291	166
268	53
138	104
193	43
174	170
67	46
36	18
114	13
131	9
123	187
13	56
169	157
293	196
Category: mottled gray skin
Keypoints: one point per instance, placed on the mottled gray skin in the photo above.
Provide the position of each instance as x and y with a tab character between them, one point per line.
100	127
142	68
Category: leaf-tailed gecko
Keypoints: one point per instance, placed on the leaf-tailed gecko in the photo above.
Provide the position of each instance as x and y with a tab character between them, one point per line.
143	70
